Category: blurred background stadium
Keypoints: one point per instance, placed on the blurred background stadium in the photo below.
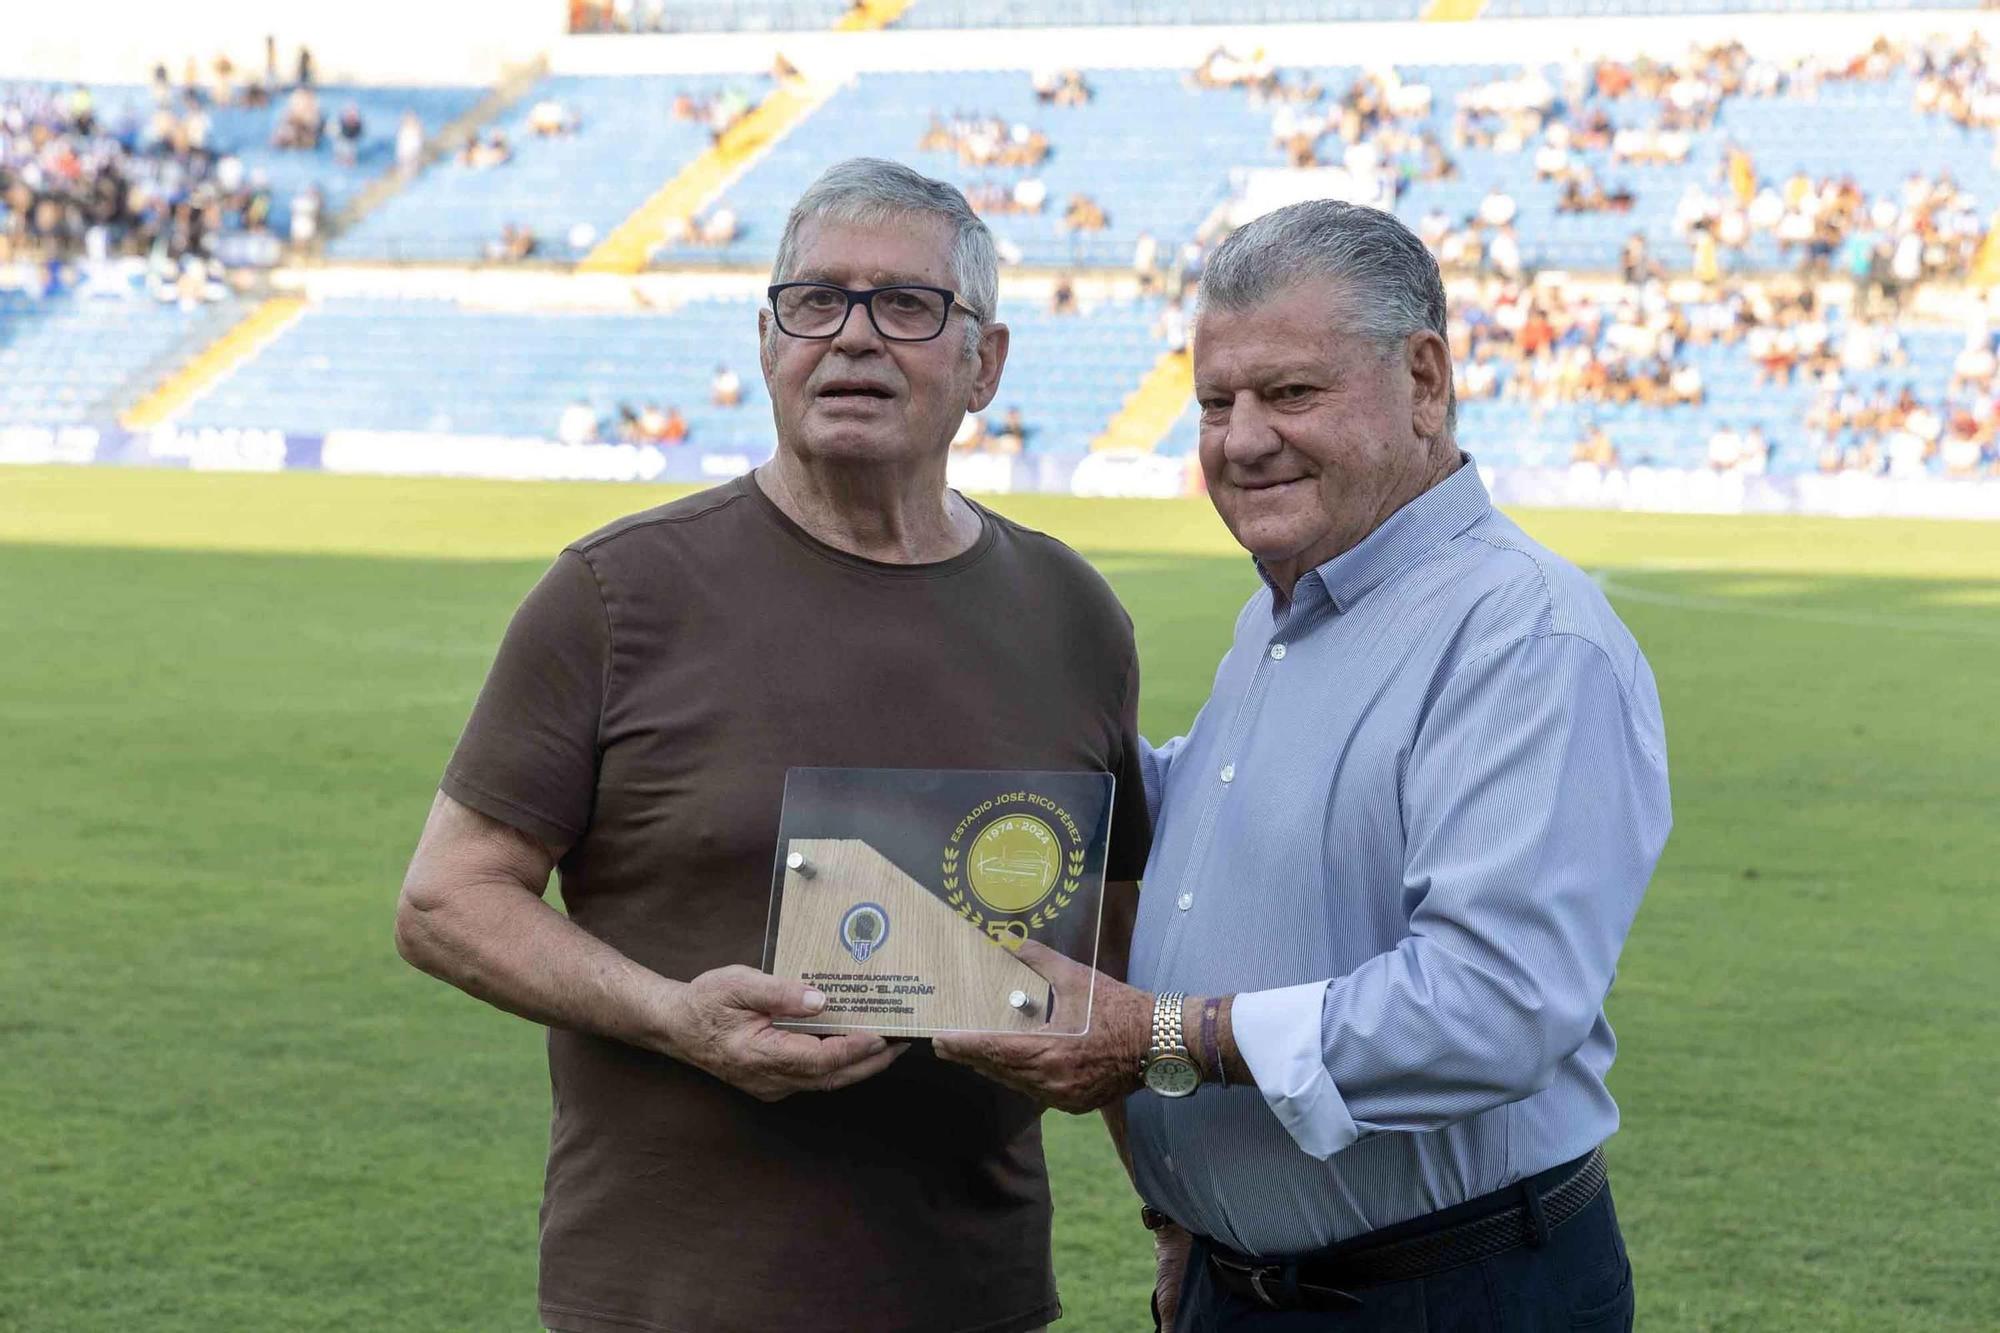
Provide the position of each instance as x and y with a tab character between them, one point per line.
1722	275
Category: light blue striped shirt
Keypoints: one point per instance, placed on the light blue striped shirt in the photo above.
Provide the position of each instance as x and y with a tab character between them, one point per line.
1409	831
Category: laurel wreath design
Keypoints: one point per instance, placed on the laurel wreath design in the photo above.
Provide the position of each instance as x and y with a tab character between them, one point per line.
1065	894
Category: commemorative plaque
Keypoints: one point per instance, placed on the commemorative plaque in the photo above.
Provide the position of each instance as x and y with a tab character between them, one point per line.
902	894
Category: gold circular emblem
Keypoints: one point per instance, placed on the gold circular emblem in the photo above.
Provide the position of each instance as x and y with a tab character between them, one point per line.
1014	862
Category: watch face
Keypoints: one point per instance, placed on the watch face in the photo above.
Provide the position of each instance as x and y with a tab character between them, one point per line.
1171	1076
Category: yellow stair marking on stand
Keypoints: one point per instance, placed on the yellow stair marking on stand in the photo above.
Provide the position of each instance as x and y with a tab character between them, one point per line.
626	249
1153	408
243	340
1453	11
870	15
1986	260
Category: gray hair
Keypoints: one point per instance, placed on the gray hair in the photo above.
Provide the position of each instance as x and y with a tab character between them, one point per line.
869	191
1390	284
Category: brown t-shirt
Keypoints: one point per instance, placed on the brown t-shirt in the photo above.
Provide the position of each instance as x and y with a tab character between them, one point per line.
643	708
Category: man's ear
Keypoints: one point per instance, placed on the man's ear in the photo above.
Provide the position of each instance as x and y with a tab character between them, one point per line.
992	360
764	348
1429	363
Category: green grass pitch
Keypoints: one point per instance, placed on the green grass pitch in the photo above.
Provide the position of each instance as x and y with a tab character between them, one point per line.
225	1104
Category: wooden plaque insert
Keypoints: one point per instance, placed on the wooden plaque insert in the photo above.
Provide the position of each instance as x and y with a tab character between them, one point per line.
928	970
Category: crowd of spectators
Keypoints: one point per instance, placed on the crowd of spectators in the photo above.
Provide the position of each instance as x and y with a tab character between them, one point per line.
1872	410
648	423
985	141
1061	87
974	436
1930	228
720	112
73	186
1907	432
1573	123
993	144
1550	344
79	182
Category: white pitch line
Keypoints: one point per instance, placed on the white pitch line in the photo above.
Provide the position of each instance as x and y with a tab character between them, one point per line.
1848	619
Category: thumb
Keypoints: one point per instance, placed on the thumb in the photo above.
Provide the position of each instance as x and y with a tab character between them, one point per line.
1053	966
780	997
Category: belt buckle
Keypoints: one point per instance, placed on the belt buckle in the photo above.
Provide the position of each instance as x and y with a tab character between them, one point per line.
1257	1285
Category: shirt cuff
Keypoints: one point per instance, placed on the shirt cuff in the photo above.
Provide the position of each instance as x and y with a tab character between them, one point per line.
1278	1032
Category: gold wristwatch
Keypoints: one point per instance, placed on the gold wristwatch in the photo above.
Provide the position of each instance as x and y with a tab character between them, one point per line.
1169	1067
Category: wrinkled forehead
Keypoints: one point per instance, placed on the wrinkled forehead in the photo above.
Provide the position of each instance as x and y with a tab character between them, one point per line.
1300	331
874	251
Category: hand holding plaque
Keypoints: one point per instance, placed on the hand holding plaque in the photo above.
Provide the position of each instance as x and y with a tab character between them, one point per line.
903	895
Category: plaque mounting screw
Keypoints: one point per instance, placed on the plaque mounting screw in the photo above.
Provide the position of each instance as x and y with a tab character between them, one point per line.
1019	1000
797	861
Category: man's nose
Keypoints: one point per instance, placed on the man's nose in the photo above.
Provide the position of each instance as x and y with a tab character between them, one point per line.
1250	436
858	333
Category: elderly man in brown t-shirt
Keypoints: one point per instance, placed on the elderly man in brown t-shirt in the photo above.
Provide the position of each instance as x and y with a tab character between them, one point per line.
708	1171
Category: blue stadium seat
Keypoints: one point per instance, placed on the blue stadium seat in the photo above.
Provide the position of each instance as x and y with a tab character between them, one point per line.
384	365
72	360
627	146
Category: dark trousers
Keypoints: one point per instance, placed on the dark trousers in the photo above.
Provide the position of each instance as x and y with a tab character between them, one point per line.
1578	1280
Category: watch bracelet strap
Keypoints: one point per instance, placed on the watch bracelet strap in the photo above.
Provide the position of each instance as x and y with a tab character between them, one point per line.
1167	1015
1167	1037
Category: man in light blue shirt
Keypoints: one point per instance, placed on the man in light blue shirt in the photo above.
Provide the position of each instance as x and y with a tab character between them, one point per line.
1395	858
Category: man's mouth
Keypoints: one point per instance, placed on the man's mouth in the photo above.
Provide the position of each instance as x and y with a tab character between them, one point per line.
855	389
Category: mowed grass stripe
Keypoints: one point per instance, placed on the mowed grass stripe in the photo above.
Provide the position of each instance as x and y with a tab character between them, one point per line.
224	1103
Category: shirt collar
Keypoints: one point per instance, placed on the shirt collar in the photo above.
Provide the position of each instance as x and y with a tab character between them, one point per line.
1406	536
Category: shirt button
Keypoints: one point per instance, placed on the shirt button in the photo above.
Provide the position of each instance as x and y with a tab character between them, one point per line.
1229	772
1185	901
1277	652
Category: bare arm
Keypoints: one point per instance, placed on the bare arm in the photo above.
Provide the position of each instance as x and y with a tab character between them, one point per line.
472	914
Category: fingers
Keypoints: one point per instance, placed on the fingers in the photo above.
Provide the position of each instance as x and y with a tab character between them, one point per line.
801	1056
962	1048
863	1068
838	1052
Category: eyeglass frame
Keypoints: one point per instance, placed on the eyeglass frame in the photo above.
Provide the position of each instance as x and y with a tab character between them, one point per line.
865	297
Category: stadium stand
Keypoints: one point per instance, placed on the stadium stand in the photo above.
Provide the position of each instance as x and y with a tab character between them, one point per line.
1540	374
70	360
622	139
1583	156
376	365
805	15
604	16
1140	128
174	162
1100	13
1714	260
435	366
1702	8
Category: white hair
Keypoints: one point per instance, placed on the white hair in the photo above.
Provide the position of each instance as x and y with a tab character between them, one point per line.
1390	286
869	191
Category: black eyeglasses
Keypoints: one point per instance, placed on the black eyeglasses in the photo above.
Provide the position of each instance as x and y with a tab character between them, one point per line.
904	313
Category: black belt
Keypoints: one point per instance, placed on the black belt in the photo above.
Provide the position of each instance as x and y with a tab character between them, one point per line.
1508	1219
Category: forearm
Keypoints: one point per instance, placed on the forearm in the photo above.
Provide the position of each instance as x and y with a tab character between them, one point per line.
504	945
